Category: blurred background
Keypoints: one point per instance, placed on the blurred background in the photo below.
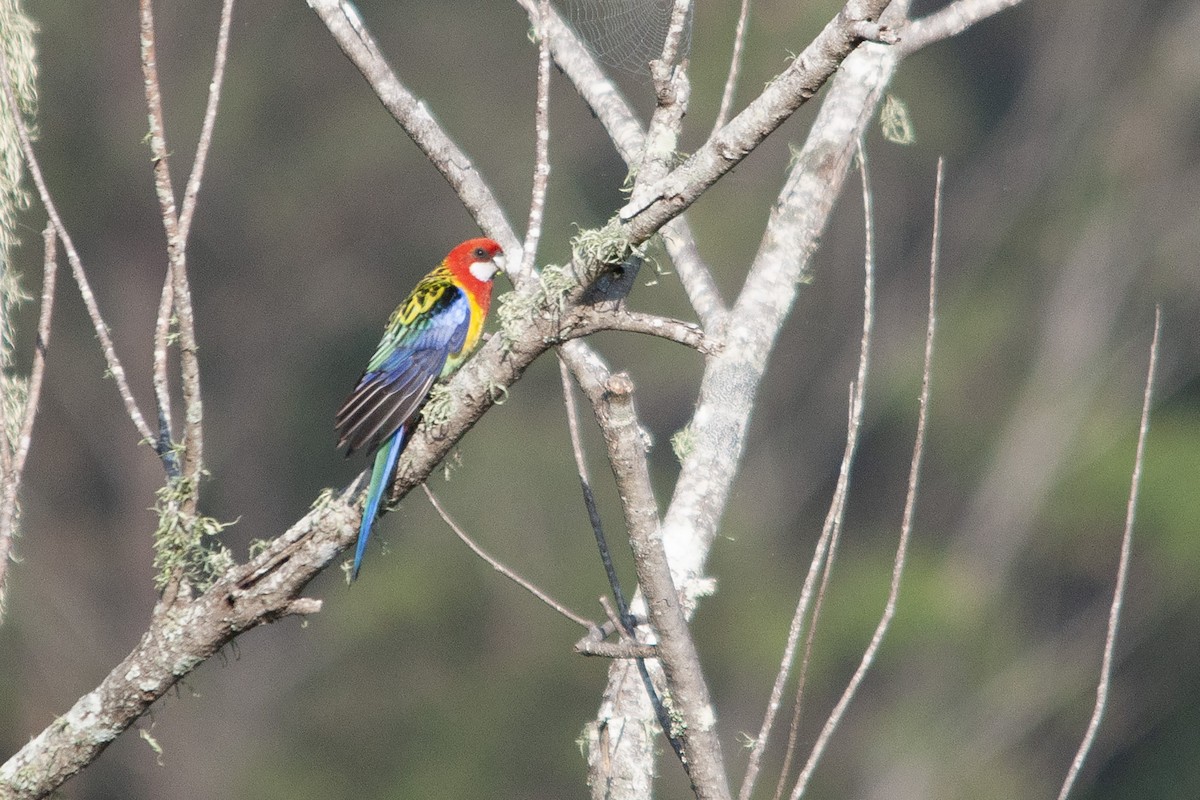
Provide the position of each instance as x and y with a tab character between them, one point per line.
1071	132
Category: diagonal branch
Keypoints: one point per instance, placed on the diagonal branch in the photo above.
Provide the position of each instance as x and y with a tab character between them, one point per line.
85	289
500	566
779	100
348	30
947	22
204	143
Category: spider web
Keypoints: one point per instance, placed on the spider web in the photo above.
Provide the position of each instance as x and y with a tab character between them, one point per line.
626	34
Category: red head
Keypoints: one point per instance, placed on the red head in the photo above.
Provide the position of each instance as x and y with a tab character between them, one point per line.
473	264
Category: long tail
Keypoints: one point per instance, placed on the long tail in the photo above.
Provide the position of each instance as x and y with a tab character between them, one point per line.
381	479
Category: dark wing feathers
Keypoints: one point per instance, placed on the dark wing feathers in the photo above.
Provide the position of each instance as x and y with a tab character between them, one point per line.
408	360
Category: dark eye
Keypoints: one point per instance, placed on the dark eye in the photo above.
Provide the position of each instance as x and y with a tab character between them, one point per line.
480	252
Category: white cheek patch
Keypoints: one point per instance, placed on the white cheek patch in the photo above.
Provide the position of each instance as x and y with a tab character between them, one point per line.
485	270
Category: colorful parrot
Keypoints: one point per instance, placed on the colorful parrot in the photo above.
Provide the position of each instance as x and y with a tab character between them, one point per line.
427	337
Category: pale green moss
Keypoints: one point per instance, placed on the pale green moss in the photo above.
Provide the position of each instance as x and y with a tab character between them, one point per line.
182	543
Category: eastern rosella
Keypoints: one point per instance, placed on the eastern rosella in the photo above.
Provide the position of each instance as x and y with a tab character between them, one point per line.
427	337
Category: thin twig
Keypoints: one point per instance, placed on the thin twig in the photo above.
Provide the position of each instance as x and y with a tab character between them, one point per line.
735	67
500	567
182	317
856	401
541	169
112	362
1114	612
586	320
910	502
830	538
947	22
38	369
203	144
181	294
16	453
823	555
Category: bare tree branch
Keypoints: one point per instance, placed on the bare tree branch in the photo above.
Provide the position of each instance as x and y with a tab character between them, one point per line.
181	293
541	170
647	212
15	452
204	143
623	128
586	320
1114	613
910	503
500	567
585	362
822	559
688	693
673	90
735	67
41	347
85	290
348	30
181	228
947	22
163	443
632	751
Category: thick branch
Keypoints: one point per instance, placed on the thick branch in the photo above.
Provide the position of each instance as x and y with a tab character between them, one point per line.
733	375
688	693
